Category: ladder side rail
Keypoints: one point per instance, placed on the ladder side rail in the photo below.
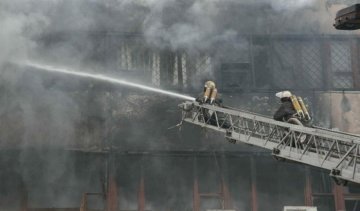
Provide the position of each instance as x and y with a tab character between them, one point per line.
313	157
323	153
246	115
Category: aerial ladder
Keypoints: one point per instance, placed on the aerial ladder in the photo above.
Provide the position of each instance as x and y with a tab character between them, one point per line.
335	151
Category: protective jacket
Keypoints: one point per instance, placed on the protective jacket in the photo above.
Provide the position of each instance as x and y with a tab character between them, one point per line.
286	110
218	100
210	117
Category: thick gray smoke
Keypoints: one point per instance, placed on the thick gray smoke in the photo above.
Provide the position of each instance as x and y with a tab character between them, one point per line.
73	32
189	24
18	26
201	23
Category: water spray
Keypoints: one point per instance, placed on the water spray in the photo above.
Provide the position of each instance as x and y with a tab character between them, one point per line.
101	77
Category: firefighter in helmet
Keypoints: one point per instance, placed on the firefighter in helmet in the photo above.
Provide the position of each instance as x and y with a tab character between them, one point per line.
286	110
210	94
293	111
212	97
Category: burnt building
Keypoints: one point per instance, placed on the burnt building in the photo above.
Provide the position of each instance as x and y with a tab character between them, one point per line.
70	143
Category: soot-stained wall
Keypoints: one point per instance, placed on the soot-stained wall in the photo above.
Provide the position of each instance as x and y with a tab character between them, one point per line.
57	178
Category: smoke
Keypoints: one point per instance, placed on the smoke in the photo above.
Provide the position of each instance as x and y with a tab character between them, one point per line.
64	32
182	24
292	5
17	29
199	24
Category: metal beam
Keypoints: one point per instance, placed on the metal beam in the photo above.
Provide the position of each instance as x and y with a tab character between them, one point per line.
112	195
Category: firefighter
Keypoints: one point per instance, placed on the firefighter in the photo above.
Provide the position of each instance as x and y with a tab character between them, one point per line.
212	97
286	110
210	94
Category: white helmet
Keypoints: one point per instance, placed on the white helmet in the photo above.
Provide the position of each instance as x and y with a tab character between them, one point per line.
283	94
